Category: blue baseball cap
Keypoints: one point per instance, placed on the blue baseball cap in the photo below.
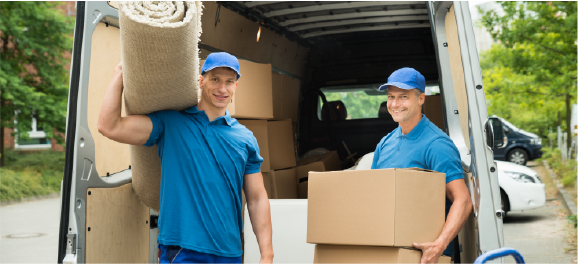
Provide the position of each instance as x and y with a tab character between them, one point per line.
405	78
221	59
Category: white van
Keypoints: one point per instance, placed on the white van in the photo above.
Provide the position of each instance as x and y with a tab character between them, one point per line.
330	47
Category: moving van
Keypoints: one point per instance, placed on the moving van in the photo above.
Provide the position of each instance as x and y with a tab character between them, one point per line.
339	53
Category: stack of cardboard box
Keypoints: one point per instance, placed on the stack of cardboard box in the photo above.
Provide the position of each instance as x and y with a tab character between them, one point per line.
374	216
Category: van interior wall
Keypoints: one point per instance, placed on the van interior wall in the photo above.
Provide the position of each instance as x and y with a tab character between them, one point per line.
360	58
225	30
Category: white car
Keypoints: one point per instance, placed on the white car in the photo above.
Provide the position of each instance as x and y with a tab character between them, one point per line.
520	187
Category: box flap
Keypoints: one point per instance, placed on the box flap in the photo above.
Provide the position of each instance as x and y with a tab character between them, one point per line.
414	206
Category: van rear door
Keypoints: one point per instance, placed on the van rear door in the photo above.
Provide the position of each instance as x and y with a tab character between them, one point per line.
102	220
466	115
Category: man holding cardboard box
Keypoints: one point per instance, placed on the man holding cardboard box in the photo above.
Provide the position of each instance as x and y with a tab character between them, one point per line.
207	158
417	142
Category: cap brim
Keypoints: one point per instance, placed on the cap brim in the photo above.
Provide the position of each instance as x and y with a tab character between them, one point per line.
397	84
225	66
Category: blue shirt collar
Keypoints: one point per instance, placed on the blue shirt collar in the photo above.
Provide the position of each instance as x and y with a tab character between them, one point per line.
417	130
227	117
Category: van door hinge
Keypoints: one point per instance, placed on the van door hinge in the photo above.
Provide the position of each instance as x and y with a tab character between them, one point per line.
71	244
154	220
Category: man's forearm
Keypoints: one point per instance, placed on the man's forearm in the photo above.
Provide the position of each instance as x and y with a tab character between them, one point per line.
457	217
260	214
110	112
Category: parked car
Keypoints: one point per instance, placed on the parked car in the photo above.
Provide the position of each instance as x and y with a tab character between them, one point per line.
520	187
521	147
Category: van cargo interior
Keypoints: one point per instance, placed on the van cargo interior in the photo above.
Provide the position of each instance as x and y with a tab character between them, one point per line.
341	52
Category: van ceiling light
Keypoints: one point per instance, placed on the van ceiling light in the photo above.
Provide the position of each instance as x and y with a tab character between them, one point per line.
259	34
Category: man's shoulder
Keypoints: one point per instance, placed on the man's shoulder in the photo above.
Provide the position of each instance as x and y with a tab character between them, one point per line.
390	135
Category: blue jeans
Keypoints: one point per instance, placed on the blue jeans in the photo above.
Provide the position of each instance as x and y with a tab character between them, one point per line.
176	254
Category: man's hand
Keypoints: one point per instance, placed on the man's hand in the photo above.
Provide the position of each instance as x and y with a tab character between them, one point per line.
431	251
260	214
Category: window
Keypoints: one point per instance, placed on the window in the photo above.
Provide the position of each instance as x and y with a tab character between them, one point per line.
362	101
36	137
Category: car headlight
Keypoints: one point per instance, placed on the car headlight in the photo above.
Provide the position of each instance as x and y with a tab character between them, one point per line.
520	177
536	141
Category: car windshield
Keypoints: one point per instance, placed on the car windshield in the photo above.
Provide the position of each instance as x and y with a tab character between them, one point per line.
509	125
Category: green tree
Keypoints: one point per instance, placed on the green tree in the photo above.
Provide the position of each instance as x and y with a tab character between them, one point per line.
33	80
531	75
515	96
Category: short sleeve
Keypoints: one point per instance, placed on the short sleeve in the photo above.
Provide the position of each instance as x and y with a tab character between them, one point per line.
254	160
443	156
158	119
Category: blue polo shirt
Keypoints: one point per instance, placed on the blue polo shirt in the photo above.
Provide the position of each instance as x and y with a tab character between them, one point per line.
202	168
425	146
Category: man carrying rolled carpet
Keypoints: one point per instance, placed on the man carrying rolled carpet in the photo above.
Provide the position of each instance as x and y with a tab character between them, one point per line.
207	158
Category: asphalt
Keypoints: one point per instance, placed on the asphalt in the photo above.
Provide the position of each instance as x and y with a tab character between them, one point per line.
29	232
539	234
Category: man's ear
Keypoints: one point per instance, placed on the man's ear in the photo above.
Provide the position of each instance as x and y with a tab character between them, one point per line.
421	99
201	80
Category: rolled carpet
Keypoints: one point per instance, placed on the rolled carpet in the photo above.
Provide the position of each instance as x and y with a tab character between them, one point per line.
160	60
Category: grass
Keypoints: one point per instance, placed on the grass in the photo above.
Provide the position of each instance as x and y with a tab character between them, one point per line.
565	171
27	174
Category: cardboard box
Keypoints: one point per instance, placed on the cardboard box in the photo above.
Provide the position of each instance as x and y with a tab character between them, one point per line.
253	97
285	97
283	185
281	148
387	207
324	162
259	129
432	109
368	254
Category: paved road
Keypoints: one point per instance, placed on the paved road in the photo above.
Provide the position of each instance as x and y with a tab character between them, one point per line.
538	233
34	226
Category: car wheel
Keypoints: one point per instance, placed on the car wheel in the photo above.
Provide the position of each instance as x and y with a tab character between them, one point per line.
518	156
505	202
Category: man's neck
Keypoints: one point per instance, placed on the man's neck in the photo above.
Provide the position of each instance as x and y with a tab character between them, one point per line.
408	125
211	112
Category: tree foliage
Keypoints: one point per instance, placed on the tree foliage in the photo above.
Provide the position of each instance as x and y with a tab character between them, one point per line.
33	80
359	104
531	72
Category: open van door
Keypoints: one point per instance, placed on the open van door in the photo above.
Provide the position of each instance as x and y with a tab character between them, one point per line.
102	220
467	120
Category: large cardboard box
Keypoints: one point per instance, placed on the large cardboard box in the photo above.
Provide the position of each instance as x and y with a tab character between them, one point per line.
253	97
259	129
283	185
368	254
387	207
324	162
432	109
285	97
281	148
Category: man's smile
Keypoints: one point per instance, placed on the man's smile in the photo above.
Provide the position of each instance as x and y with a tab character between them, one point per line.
221	97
